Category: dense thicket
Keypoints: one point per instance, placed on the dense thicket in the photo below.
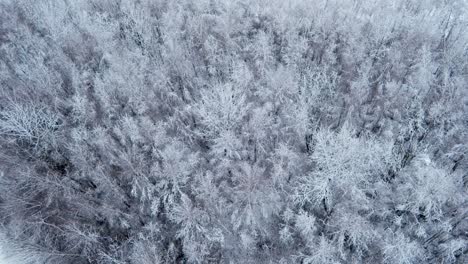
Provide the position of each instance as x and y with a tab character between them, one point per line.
236	131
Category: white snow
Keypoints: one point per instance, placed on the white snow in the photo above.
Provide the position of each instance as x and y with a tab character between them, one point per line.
6	256
4	259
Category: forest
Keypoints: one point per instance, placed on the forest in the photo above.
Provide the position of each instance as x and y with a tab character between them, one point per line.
234	131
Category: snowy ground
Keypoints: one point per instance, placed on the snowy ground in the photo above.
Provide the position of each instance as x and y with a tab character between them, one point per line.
6	256
4	259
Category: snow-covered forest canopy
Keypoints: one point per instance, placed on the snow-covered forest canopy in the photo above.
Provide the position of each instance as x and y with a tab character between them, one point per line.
234	131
